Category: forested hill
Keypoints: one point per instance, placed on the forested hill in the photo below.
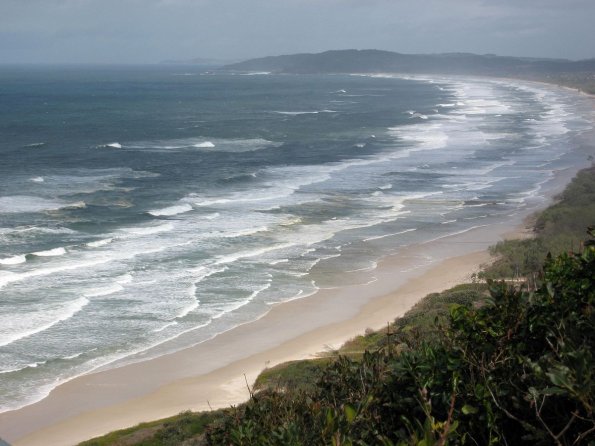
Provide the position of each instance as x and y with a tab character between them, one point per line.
572	73
357	61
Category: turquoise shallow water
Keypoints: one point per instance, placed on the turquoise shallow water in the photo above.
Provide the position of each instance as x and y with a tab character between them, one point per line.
158	206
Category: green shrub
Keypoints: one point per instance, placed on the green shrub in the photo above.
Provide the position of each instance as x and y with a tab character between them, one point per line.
559	228
519	369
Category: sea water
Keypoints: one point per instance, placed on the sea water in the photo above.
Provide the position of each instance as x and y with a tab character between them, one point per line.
146	209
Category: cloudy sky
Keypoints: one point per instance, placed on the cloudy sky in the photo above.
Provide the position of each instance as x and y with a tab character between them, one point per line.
148	31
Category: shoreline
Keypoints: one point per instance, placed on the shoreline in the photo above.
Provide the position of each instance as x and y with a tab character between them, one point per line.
211	374
122	397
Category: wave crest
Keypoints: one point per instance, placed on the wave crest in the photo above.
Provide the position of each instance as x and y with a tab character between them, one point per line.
171	210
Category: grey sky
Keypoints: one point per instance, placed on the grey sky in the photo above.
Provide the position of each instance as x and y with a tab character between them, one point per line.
139	31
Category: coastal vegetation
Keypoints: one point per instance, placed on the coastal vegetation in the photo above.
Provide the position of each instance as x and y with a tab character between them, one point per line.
559	228
490	362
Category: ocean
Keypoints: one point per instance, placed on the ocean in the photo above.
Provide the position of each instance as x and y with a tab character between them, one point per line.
147	209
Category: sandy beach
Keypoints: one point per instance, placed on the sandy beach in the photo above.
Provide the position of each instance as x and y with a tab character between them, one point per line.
211	374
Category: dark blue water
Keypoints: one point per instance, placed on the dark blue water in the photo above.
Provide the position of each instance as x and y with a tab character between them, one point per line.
157	206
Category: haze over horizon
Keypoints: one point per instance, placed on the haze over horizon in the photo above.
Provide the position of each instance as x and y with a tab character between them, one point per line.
149	31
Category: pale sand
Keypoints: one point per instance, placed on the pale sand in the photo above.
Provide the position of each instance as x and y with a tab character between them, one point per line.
213	372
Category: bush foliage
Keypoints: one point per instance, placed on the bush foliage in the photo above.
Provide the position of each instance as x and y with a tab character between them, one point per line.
559	228
479	364
519	369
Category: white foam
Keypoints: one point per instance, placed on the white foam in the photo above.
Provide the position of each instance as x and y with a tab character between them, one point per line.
114	145
37	179
205	145
422	137
75	355
454	233
256	73
379	237
291	221
296	113
124	279
202	272
250	196
75	205
244	232
100	243
29	325
259	290
185	311
321	259
373	265
415	114
479	98
81	180
7	277
237	305
230	258
169	324
42	230
50	252
300	294
285	181
149	230
14	260
397	202
18	369
32	365
171	210
104	291
221	145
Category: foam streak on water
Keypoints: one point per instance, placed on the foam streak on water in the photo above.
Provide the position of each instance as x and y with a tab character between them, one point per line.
208	210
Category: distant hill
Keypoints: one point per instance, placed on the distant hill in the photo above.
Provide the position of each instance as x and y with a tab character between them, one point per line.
575	74
367	61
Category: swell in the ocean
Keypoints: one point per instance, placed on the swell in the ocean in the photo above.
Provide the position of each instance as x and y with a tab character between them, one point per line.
170	240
